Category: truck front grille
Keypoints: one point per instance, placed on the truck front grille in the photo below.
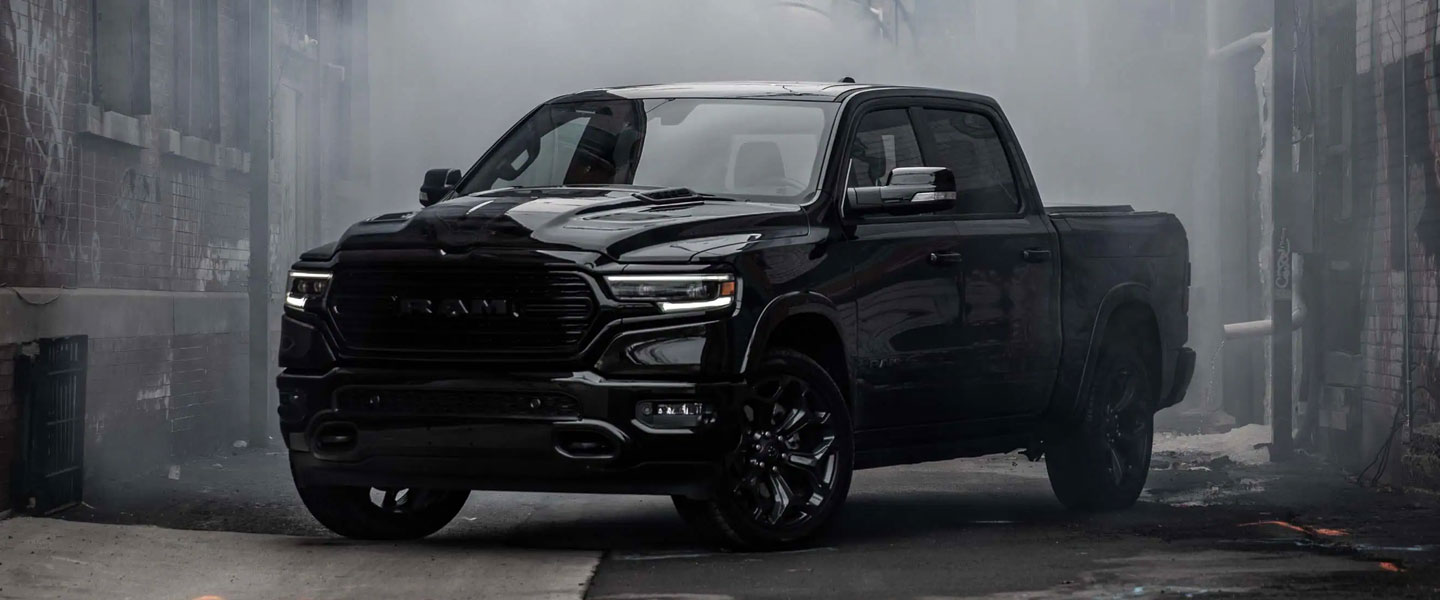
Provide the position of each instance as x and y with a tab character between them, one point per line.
462	312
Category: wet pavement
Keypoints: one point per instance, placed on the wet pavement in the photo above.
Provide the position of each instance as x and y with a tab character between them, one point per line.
1208	525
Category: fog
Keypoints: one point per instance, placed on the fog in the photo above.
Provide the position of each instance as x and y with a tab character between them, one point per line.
451	75
171	354
442	97
1104	95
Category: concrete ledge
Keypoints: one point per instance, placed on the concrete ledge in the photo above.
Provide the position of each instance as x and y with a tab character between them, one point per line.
174	144
197	149
110	125
30	313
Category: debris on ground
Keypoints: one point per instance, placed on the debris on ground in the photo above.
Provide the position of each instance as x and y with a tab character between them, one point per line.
1242	445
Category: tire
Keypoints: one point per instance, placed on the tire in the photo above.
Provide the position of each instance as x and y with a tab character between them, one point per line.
372	514
1113	434
794	435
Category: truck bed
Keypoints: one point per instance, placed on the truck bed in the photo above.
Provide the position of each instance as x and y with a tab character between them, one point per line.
1114	253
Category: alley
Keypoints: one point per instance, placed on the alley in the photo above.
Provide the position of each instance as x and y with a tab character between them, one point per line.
1208	524
731	246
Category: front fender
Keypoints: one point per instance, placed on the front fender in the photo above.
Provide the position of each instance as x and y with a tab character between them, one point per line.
789	305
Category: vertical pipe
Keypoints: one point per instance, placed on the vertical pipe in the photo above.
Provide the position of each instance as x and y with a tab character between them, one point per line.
1281	182
259	281
1409	397
1208	198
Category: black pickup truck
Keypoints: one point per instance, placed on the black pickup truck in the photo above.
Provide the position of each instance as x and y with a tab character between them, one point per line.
733	294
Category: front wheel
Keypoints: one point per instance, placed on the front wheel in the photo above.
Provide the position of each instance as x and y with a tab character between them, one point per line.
789	470
382	514
1102	461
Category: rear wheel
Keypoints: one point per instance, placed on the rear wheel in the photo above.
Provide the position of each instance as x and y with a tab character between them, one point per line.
789	470
382	514
1102	461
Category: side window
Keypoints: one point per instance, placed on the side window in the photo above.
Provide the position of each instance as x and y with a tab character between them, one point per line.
970	146
884	140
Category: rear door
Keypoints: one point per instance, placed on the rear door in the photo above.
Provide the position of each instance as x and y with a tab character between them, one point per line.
907	285
1009	332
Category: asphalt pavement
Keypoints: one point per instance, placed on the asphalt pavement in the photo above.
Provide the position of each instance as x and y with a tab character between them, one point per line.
1207	526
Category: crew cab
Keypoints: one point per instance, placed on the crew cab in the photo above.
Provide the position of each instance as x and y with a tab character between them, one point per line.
734	294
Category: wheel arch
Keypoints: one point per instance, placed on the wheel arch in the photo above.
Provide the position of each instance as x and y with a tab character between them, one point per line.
1124	301
809	323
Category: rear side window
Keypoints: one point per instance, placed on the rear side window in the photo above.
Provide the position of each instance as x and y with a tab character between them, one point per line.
883	141
970	146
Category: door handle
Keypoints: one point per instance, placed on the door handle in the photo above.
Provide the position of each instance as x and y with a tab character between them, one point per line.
1035	255
941	259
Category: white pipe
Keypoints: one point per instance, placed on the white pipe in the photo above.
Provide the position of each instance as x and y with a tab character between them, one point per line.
1254	40
1249	329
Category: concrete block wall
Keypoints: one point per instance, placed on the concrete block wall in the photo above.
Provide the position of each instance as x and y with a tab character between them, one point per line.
1396	149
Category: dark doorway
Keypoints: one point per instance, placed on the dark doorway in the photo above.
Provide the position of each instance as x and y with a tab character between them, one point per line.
50	386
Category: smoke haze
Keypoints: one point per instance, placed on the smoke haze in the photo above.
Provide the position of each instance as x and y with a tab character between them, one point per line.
1104	95
451	75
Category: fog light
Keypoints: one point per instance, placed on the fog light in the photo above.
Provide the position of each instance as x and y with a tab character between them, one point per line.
291	408
673	415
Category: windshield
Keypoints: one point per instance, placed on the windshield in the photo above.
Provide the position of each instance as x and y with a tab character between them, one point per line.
764	150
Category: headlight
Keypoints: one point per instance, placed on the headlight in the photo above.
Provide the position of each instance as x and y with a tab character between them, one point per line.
305	285
676	293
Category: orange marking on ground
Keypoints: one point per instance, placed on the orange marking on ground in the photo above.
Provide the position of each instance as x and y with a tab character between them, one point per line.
1391	567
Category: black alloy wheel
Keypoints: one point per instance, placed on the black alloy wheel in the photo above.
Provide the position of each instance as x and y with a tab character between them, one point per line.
1102	461
1127	424
789	469
783	468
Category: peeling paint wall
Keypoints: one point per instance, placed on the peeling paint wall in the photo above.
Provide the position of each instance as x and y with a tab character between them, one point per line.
1397	157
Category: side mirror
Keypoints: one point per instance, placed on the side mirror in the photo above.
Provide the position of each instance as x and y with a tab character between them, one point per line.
905	191
438	183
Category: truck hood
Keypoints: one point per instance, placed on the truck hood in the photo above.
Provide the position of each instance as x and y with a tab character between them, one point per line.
614	222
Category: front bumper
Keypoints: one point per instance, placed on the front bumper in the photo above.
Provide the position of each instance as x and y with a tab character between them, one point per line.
563	432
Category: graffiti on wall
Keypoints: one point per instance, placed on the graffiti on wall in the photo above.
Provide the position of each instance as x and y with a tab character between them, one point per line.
33	31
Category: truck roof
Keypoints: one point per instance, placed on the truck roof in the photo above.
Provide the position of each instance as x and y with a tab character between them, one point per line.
814	91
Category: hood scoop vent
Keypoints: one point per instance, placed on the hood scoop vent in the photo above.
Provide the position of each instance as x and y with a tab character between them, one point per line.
667	195
392	217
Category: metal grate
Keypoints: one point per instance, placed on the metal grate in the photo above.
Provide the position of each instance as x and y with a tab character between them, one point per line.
50	384
536	314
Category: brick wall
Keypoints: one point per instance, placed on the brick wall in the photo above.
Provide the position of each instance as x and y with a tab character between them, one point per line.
108	201
80	209
1396	153
182	389
134	219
